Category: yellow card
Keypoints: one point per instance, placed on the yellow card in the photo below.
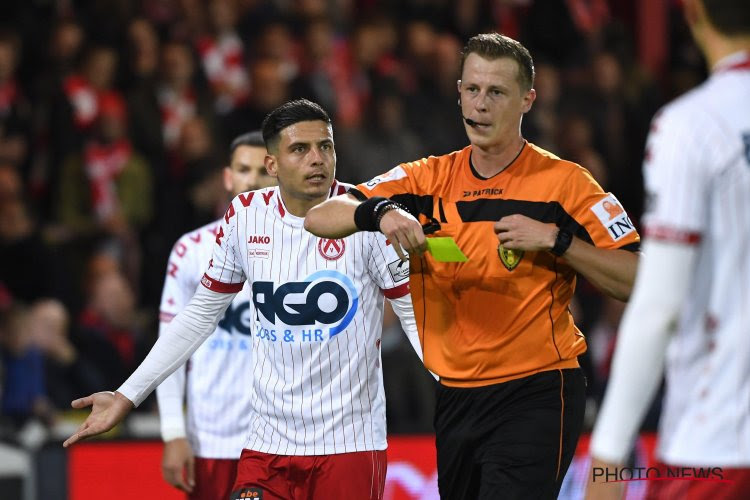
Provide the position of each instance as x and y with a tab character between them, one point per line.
444	249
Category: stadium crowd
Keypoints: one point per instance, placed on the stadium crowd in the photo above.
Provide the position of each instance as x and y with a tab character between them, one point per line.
114	114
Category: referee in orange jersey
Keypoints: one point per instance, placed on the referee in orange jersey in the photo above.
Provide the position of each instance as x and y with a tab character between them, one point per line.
496	328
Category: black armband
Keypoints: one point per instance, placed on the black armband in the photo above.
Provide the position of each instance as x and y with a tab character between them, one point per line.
562	242
367	214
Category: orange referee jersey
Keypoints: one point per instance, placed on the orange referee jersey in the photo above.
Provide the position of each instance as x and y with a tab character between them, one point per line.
501	315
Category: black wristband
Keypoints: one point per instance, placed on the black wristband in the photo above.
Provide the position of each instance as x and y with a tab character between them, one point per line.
366	215
562	242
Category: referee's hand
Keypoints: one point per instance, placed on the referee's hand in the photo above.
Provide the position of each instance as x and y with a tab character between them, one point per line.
107	410
404	232
178	464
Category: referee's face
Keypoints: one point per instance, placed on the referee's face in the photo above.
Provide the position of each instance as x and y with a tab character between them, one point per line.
493	100
304	164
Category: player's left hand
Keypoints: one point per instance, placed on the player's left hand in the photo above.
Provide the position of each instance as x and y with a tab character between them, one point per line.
518	232
107	410
602	490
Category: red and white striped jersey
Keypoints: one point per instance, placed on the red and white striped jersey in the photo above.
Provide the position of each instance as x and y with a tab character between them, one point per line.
697	174
316	325
217	406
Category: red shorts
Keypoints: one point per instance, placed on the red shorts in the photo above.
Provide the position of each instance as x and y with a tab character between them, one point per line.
214	478
261	476
730	484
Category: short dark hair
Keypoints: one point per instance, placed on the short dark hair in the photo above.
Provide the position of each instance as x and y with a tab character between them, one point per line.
730	17
289	113
252	139
494	46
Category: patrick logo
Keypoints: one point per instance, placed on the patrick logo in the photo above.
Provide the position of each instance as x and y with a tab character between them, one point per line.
331	249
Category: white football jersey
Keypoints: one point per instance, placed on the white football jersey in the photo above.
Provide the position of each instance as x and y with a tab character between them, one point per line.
697	174
217	405
318	309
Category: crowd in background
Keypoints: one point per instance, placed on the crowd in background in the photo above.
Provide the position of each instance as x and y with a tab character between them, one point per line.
116	115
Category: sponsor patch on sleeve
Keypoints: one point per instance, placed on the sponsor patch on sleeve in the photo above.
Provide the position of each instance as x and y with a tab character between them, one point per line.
393	174
399	270
613	217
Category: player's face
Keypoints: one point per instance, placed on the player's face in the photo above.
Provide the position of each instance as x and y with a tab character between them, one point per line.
247	170
304	164
492	97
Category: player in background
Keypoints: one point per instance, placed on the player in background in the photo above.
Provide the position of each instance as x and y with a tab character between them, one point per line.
317	423
690	308
200	456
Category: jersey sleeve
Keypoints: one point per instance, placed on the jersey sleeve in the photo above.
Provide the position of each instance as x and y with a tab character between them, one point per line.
596	214
225	273
180	283
405	184
180	280
386	269
676	176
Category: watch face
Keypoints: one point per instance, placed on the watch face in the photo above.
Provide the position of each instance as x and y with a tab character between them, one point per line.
509	258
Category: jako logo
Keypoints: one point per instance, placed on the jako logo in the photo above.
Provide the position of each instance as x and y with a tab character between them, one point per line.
325	297
260	239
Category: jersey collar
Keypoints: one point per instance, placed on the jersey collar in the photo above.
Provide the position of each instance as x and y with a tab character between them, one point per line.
733	62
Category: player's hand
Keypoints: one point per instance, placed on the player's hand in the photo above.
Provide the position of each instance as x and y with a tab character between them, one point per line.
602	490
178	464
404	232
107	410
518	232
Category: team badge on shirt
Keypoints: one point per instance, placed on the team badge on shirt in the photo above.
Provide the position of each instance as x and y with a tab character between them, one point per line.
611	214
509	258
331	249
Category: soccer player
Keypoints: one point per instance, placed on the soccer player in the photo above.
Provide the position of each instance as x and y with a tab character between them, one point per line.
201	457
317	418
691	305
496	328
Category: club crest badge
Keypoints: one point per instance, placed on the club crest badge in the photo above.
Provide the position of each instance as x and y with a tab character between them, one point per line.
509	258
331	249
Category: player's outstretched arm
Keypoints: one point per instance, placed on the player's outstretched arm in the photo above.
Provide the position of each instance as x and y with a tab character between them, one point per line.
107	410
334	218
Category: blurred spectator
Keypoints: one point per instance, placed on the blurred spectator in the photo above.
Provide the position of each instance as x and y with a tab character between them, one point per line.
15	112
158	112
106	192
143	55
223	56
381	142
27	268
270	88
322	77
82	91
108	187
540	125
432	97
67	374
24	394
107	333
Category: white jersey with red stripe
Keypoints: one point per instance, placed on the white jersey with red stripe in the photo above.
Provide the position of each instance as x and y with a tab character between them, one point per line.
697	174
217	406
318	311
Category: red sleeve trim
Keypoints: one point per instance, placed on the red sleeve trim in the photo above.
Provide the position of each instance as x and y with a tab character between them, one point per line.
218	286
671	235
397	292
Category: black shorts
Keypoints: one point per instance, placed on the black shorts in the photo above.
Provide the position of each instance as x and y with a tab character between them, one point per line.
513	440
